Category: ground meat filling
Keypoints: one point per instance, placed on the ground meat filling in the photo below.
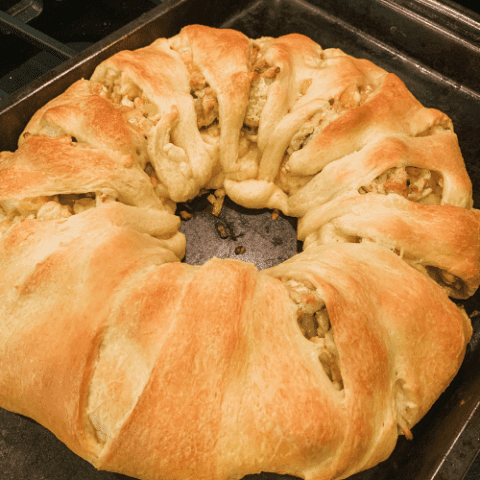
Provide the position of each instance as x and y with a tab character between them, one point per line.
49	207
447	280
204	96
205	101
352	97
311	128
158	187
134	105
314	323
263	78
415	184
307	132
62	205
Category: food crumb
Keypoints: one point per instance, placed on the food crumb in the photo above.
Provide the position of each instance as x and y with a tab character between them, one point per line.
475	313
185	215
275	214
222	231
239	250
216	200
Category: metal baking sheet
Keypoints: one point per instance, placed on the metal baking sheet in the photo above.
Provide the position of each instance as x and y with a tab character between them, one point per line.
434	49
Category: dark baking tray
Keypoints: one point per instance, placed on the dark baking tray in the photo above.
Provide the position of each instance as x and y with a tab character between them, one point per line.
434	46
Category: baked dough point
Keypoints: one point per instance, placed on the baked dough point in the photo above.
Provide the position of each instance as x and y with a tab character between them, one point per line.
310	368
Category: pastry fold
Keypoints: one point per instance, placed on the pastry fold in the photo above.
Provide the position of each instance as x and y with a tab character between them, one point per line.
386	370
157	76
44	167
222	58
361	168
84	113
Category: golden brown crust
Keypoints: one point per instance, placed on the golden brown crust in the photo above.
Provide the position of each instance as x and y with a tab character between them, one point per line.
89	118
222	56
389	110
45	166
163	78
308	75
295	57
360	168
440	236
271	120
363	312
53	267
228	397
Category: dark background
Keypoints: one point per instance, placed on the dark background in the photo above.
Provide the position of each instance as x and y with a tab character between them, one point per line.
473	5
78	24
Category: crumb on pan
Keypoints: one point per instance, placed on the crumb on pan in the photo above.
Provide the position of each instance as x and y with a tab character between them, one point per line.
185	215
222	231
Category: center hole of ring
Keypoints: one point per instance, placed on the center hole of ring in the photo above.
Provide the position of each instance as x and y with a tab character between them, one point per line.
258	236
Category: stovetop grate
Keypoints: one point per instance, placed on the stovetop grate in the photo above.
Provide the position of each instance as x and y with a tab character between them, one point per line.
44	33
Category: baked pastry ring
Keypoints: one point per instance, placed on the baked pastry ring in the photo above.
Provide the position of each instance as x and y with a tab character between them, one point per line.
311	368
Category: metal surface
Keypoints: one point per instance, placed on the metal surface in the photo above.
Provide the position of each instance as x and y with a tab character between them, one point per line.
254	236
36	66
25	11
67	21
13	25
435	52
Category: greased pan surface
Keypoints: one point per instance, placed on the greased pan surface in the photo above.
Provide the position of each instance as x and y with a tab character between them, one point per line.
435	52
